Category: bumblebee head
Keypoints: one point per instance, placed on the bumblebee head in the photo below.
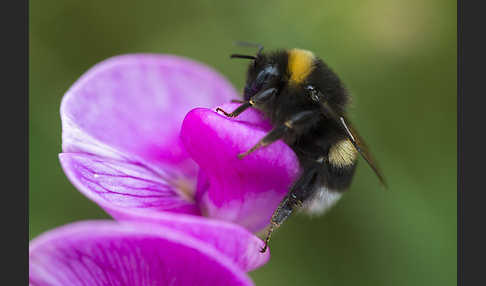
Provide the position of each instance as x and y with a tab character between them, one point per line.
297	69
266	70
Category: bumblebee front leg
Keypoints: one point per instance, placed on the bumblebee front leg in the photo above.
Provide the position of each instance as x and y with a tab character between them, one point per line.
258	99
297	122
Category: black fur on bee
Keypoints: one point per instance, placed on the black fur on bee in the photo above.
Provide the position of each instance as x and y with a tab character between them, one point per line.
305	102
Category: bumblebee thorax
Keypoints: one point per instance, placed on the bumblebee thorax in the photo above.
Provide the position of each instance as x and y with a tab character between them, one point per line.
300	65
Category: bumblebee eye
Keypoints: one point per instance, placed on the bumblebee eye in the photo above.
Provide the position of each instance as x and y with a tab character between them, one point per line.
266	74
312	92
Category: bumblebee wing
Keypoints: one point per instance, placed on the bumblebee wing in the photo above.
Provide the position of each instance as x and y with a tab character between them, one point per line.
361	147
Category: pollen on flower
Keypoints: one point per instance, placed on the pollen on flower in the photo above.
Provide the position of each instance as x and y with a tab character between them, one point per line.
186	188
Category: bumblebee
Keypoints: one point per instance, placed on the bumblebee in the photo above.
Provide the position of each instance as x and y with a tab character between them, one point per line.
305	102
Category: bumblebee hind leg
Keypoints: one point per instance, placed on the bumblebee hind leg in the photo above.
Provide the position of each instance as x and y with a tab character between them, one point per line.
302	189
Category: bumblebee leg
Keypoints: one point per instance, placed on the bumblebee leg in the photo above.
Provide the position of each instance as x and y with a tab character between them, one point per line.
237	111
301	190
271	137
258	99
238	101
296	123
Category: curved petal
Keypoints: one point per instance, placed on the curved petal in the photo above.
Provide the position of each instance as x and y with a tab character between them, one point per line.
131	107
109	253
242	246
132	193
112	183
245	191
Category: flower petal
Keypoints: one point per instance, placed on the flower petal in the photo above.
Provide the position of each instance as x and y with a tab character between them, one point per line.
132	107
132	193
118	184
245	191
240	245
110	253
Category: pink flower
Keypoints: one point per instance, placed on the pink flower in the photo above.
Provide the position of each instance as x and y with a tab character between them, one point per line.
173	181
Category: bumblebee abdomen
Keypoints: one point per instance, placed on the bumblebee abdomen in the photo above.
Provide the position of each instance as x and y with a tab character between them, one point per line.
325	148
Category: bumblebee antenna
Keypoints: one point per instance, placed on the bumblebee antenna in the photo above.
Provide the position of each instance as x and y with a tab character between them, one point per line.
248	44
242	56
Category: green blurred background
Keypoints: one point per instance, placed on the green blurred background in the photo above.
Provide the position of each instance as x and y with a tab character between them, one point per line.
398	58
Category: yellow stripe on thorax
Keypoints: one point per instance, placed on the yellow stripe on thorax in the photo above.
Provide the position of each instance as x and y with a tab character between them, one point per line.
342	154
300	65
